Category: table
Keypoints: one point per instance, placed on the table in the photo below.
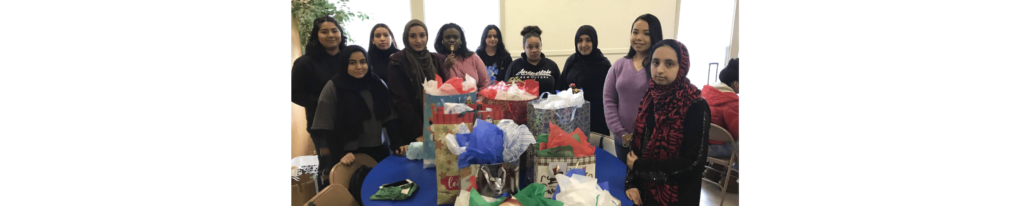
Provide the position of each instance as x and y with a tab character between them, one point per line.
397	168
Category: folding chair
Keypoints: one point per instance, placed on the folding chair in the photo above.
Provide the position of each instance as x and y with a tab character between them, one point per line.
720	134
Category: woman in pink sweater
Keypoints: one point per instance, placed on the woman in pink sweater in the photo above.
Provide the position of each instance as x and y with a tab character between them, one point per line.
459	61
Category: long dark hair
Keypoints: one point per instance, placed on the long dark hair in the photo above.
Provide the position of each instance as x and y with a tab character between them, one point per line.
500	41
653	26
371	38
314	46
461	50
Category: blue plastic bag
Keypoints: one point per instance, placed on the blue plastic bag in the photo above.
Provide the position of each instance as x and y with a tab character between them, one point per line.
485	145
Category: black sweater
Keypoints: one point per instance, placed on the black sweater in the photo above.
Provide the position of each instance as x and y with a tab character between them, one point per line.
546	72
310	73
500	61
588	74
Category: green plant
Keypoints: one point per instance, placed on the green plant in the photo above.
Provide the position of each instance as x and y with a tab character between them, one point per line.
306	11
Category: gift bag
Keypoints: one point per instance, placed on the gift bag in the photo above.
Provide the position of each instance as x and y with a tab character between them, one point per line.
490	113
432	106
568	118
446	162
546	169
514	110
491	180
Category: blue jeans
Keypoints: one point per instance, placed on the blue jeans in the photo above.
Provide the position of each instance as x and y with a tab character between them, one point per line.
721	150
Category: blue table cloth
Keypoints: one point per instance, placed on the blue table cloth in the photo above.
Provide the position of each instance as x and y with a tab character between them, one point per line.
397	168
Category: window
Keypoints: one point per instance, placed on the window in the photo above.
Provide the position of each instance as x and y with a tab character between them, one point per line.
394	13
472	21
706	28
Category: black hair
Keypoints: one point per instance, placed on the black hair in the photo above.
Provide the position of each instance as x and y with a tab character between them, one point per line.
461	50
371	38
731	73
500	41
313	45
654	27
530	31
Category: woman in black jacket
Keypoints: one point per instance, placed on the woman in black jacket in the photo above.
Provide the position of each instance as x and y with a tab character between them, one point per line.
408	69
491	50
381	45
669	149
320	62
353	110
533	64
587	68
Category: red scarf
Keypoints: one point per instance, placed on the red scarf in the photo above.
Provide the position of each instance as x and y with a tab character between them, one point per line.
672	102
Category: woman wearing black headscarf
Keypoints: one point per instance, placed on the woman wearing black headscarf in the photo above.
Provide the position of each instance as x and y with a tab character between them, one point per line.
491	50
353	110
320	62
587	68
408	69
381	45
669	149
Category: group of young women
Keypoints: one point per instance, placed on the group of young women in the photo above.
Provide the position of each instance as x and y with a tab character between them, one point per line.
644	100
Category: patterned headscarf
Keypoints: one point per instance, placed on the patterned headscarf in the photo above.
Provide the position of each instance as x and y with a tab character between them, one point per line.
670	104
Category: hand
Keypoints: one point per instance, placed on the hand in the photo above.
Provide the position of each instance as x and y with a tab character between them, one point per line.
348	159
634	195
420	139
402	151
630	159
450	61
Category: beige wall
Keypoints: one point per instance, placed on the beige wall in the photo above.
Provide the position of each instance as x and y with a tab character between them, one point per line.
301	140
735	45
611	18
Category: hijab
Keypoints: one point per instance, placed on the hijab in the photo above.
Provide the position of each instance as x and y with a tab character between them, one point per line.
595	59
379	59
345	83
420	65
670	104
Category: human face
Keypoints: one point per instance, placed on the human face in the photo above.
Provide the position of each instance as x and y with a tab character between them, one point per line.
381	37
640	37
329	35
532	48
584	44
417	38
451	37
491	38
664	65
357	66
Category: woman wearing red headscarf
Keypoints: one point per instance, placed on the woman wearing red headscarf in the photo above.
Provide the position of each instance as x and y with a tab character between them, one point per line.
669	147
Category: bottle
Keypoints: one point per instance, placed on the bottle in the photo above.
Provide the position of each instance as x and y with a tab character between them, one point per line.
574	88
